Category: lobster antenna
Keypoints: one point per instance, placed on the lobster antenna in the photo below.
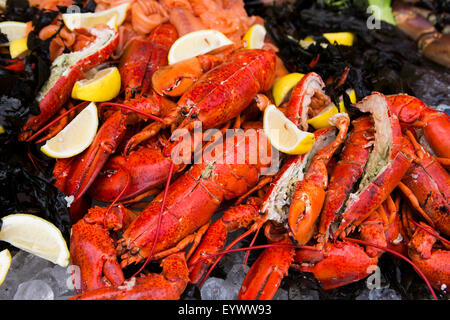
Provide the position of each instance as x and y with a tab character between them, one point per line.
121	192
124	106
55	120
226	250
399	255
158	228
247	253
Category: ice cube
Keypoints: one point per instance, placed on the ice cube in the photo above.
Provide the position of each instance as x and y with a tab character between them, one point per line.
9	286
217	289
237	274
295	293
384	294
281	294
34	290
58	278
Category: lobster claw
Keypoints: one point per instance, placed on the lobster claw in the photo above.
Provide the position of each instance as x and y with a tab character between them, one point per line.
92	250
56	91
433	262
86	167
337	264
166	286
265	275
387	164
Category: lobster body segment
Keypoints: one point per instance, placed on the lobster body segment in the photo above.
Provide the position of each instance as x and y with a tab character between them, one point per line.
195	196
225	91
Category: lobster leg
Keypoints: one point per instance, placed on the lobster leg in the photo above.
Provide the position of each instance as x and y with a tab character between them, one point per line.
427	185
169	285
214	240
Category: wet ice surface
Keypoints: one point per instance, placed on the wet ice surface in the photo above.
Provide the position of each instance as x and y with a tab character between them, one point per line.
33	278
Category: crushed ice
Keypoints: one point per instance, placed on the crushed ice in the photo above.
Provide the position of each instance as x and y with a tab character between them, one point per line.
34	278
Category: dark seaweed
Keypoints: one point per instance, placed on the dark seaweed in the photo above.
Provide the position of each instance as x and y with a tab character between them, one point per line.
378	61
25	174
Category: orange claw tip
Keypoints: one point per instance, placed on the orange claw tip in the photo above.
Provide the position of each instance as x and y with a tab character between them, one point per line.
265	275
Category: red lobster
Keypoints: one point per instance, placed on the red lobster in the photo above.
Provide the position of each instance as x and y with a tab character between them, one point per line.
217	97
65	71
169	223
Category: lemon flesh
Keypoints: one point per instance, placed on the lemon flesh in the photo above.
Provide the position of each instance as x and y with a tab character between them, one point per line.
322	119
75	137
282	86
18	47
104	86
284	135
36	236
90	19
254	37
5	263
196	43
13	30
340	38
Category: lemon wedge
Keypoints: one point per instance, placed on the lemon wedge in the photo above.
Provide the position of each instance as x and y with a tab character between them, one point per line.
103	86
283	85
36	236
283	134
90	19
196	43
75	137
13	30
322	119
254	37
18	47
5	263
340	38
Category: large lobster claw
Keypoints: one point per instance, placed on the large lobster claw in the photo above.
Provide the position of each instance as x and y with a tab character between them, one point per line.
265	275
337	264
168	285
387	164
92	249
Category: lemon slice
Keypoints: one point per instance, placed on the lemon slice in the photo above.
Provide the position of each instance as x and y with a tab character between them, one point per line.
75	137
103	86
18	47
282	86
322	119
90	19
283	134
35	235
5	263
196	43
13	30
254	38
341	38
